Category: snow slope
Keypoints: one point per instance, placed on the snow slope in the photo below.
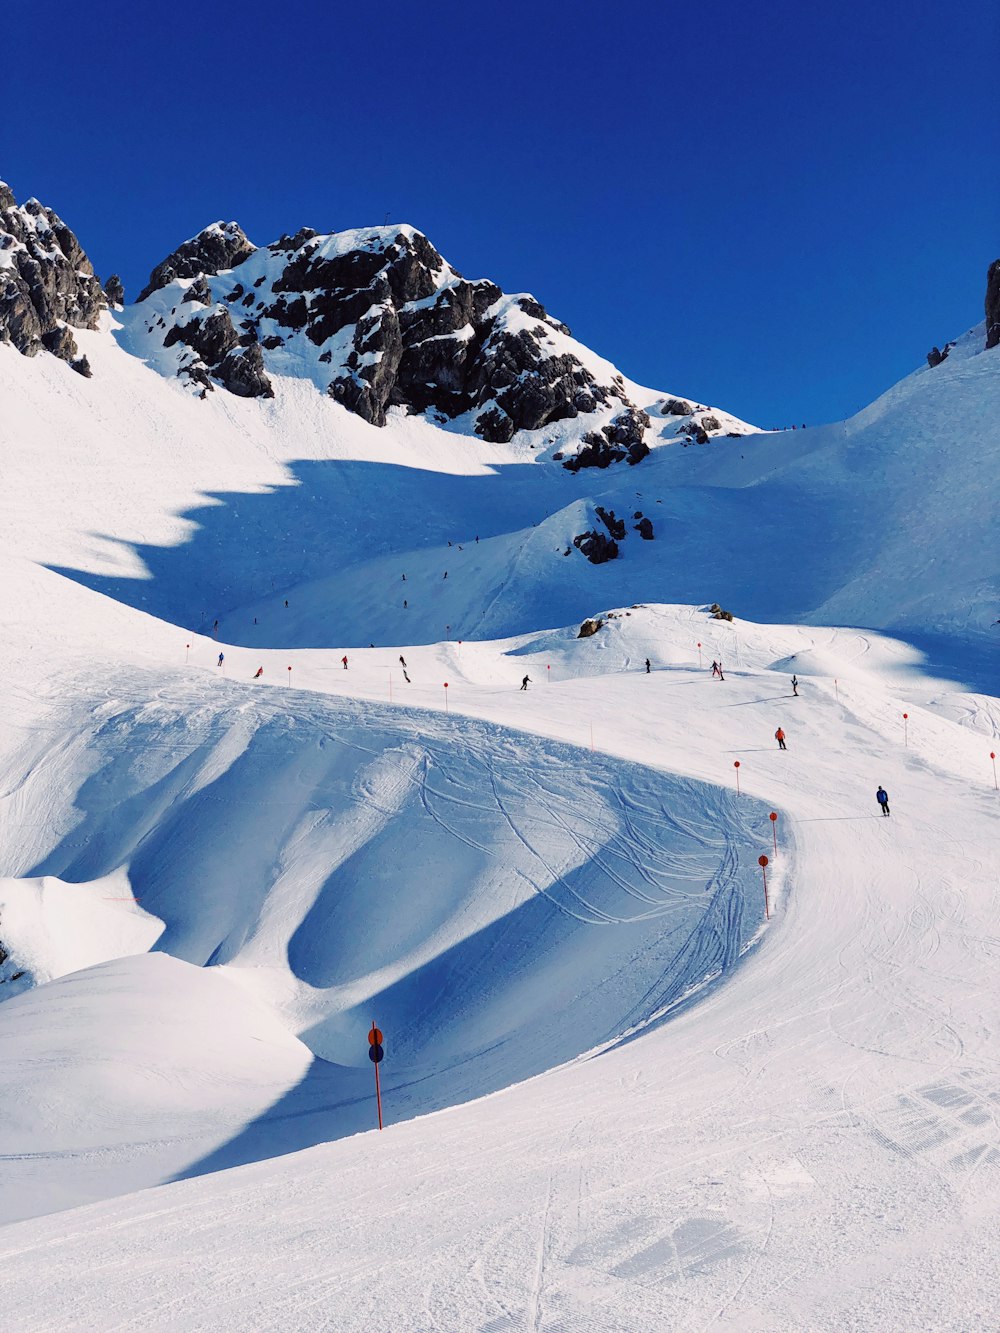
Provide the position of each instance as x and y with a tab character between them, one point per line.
884	521
616	1098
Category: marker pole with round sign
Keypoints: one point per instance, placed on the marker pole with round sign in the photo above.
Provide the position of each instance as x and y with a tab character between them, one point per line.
736	765
773	817
187	653
288	678
905	720
375	1053
762	862
446	696
548	674
699	657
993	756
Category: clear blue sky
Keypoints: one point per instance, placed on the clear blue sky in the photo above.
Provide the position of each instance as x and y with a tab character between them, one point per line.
776	207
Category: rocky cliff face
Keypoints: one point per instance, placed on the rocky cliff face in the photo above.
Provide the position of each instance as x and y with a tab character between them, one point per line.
378	319
47	283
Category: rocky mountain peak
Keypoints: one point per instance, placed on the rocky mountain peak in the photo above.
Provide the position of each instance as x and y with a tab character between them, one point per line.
47	283
222	245
379	320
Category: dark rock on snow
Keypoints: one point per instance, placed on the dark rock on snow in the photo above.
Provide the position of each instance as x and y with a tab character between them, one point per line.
221	246
46	282
621	438
616	526
114	291
596	547
590	627
645	529
993	304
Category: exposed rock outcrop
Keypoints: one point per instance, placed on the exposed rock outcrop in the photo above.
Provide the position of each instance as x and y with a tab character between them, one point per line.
220	352
114	291
221	246
621	439
590	627
993	304
395	326
47	283
938	354
598	548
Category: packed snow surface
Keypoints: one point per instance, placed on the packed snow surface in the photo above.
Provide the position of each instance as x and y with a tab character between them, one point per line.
623	1089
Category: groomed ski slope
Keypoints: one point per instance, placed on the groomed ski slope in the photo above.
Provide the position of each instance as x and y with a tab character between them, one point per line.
616	1098
810	1145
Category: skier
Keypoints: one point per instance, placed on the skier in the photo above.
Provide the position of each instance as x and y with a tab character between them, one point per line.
344	660
258	673
524	683
215	627
446	573
477	541
221	659
402	660
882	796
715	668
647	666
721	676
795	686
405	603
405	676
404	578
779	736
286	601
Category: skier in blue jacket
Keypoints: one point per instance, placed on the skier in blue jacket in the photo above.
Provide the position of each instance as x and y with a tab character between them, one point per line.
882	796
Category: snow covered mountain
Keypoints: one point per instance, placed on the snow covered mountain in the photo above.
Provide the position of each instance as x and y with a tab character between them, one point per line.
273	573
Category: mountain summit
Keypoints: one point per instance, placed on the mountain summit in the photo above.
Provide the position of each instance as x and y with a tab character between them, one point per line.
378	319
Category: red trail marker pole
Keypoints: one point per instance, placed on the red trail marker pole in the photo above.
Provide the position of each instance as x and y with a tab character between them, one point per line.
994	758
773	817
905	738
187	653
288	678
446	696
699	657
736	765
375	1053
548	674
762	862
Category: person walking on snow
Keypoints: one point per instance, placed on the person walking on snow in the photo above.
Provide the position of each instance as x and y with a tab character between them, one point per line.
795	686
715	668
882	796
344	660
258	673
524	683
221	659
402	660
779	736
647	666
405	676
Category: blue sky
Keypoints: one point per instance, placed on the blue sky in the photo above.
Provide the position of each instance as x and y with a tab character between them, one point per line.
778	208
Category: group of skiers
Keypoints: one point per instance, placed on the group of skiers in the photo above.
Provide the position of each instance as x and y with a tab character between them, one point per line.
881	796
